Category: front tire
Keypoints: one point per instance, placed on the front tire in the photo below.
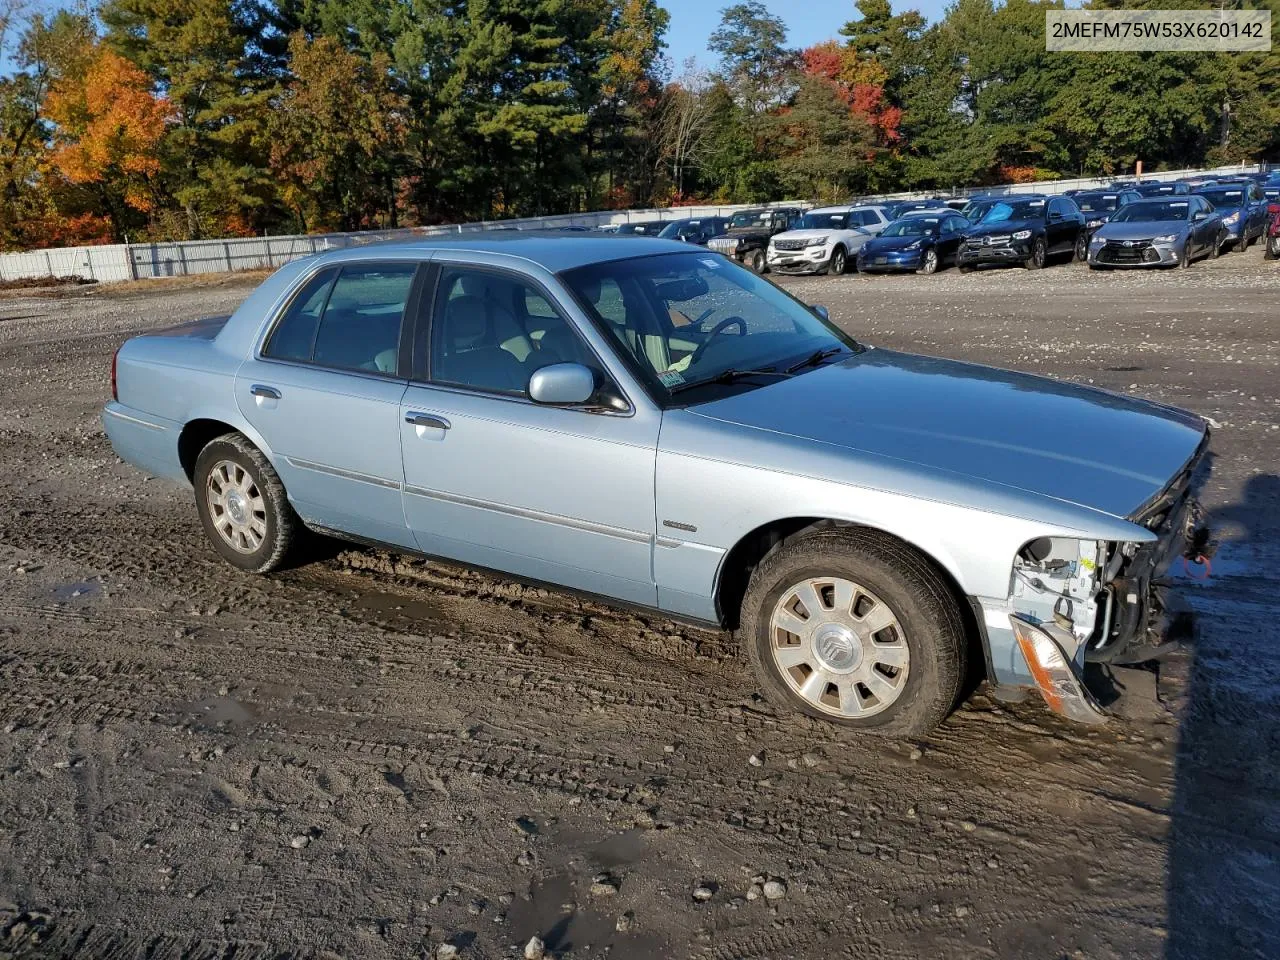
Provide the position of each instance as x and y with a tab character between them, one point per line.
854	627
1184	260
243	506
1216	251
1272	250
756	261
1039	251
930	262
839	262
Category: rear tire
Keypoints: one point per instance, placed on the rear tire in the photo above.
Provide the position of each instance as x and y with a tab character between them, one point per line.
1082	248
243	506
899	679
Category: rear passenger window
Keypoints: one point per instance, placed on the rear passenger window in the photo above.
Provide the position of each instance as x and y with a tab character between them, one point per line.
351	323
296	332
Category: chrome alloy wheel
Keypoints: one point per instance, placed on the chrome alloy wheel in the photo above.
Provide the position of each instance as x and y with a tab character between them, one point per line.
236	506
839	646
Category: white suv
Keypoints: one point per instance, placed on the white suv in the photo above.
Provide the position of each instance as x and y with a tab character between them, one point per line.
827	240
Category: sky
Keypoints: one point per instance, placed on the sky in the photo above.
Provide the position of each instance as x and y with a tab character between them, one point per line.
808	22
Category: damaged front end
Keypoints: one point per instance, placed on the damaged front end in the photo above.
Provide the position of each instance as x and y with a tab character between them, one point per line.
1074	602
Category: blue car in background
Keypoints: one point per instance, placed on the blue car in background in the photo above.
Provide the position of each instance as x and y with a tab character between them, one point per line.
1160	188
1159	232
920	242
1243	209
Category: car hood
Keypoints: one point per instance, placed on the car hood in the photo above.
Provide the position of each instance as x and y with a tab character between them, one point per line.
1140	229
747	233
883	244
1004	226
1075	444
810	234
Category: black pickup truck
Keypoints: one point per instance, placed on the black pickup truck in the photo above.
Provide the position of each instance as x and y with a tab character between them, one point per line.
749	231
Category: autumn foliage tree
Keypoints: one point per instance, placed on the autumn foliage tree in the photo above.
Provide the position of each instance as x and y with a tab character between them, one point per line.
331	132
108	128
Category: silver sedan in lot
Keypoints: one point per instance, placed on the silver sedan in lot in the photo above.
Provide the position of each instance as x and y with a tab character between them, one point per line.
659	426
1165	232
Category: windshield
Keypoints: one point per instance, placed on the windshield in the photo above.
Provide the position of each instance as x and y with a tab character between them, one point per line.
912	227
1224	198
1015	210
1156	189
823	221
685	319
748	218
973	211
1096	203
1143	212
680	228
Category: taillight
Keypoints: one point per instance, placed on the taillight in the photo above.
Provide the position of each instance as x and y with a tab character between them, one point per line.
115	392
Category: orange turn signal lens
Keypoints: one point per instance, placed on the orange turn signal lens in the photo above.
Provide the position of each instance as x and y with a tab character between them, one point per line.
1064	693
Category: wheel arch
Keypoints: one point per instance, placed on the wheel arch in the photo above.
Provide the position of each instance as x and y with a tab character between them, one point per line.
745	555
205	426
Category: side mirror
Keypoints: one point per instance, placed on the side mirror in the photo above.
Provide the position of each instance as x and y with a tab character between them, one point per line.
561	384
1199	215
821	311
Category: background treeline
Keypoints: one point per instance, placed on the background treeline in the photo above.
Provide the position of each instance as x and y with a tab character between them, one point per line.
175	119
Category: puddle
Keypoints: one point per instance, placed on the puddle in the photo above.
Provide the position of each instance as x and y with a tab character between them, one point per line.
559	908
216	713
395	606
75	591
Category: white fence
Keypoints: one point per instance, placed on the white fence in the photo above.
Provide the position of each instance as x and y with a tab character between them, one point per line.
140	261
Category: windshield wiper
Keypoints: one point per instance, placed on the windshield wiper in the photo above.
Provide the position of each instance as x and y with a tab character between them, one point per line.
814	359
731	375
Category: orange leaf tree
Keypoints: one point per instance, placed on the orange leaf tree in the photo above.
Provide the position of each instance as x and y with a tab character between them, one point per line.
107	130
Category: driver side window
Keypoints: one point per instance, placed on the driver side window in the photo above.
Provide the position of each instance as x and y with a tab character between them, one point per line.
490	332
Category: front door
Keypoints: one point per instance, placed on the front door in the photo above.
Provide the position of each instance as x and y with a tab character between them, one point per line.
324	392
558	494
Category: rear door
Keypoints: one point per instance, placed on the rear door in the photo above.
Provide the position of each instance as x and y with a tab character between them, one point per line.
558	494
324	391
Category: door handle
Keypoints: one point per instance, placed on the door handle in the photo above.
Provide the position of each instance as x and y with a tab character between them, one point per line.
427	420
259	390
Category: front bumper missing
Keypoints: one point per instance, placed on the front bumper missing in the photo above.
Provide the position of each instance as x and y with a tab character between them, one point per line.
1056	662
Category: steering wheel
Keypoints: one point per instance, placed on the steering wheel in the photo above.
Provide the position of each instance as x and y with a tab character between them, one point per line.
716	331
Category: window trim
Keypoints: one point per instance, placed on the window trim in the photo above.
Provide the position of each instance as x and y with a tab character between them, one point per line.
424	328
337	266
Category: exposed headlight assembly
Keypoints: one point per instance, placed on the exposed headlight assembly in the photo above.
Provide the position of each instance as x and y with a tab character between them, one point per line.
1093	224
1022	235
817	242
1232	217
915	245
1167	238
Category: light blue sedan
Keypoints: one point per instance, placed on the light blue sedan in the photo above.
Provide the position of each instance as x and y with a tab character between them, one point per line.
661	427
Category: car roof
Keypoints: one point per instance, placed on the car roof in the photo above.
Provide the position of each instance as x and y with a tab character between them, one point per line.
927	212
553	251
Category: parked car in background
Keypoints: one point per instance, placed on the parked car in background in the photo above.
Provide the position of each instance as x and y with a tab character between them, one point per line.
826	240
870	522
957	203
747	239
1162	188
919	241
1098	205
1025	229
1158	232
898	210
644	228
696	230
1242	208
1271	250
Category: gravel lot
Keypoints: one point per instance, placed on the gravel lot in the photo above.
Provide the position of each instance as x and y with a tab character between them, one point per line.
374	756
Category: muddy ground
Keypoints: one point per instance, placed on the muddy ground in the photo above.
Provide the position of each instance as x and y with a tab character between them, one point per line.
372	756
